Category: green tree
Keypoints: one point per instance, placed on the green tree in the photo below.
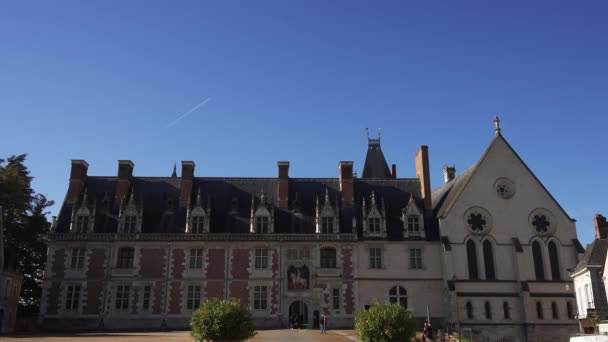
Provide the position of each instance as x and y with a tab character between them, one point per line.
222	320
385	323
25	224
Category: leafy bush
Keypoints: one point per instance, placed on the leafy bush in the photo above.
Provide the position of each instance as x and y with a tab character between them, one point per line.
385	323
222	320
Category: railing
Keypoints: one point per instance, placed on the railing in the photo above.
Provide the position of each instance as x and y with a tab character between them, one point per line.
198	237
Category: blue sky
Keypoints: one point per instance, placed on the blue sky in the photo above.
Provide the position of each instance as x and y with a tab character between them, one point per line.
300	81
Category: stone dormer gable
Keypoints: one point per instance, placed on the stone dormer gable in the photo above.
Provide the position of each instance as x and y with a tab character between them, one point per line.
131	215
326	215
198	215
413	220
262	215
83	214
446	196
374	217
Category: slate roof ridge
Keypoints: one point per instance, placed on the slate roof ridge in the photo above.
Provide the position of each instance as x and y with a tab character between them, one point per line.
595	255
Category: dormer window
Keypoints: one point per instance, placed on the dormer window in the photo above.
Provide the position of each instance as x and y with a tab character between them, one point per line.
130	224
197	219
413	225
374	225
327	225
326	215
82	223
413	222
261	224
261	219
198	224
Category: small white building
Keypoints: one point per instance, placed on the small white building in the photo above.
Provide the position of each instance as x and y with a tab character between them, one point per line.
590	281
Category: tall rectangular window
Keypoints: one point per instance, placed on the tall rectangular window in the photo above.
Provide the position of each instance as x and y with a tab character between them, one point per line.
539	310
327	224
413	225
374	224
336	299
146	298
415	258
261	224
130	222
198	223
82	223
260	295
126	255
72	297
196	258
261	258
375	257
194	297
122	297
328	257
77	258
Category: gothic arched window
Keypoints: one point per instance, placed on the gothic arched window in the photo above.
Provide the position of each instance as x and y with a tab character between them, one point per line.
554	260
469	310
398	294
488	258
472	260
537	256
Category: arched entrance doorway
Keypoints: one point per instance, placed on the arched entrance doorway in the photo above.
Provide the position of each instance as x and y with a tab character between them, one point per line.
298	314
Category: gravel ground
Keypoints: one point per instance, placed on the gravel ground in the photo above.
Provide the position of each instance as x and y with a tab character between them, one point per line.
184	336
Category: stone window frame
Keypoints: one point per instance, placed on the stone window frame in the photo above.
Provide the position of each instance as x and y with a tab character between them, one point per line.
506	310
373	213
398	294
83	211
487	305
369	257
336	299
252	287
328	247
540	315
69	272
411	211
130	298
197	258
261	272
477	264
151	299
199	213
262	212
116	271
482	252
186	296
130	210
63	298
421	249
261	258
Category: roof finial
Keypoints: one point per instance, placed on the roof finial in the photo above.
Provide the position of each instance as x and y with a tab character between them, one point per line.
174	174
496	125
367	132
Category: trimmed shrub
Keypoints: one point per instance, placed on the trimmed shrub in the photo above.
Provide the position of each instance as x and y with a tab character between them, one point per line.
385	323
222	320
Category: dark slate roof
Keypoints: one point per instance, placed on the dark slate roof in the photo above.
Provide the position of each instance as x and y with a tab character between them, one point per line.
447	192
375	164
230	202
595	255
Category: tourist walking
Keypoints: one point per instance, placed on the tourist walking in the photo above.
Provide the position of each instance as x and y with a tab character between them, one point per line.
323	323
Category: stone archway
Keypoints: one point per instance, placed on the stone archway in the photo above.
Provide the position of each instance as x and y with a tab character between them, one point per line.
298	314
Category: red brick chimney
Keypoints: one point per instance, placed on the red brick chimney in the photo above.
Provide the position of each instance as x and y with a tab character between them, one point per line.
601	226
423	174
185	188
346	181
283	185
78	175
125	173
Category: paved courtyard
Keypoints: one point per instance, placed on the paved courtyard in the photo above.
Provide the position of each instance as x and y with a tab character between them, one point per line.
184	336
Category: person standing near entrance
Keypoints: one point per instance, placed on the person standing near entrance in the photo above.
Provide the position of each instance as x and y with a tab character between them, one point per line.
321	324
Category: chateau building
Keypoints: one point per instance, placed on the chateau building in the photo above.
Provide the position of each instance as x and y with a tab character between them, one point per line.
489	249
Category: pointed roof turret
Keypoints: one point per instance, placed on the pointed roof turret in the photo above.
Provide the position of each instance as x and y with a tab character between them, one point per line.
174	174
375	164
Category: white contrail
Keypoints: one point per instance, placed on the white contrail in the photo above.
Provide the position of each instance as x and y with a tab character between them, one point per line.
188	112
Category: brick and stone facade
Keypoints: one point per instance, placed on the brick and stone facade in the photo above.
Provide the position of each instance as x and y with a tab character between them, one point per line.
154	248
